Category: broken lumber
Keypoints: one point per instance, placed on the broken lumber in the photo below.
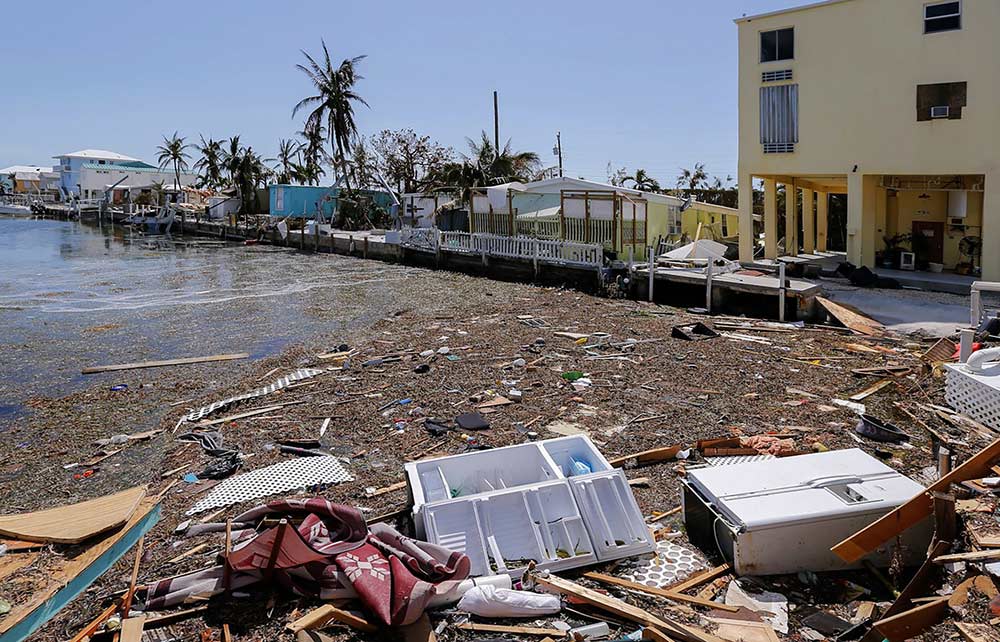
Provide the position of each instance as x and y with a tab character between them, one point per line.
974	632
659	592
973	556
701	578
870	390
167	362
648	456
623	609
317	618
501	628
850	319
175	616
74	523
920	584
912	623
132	628
914	510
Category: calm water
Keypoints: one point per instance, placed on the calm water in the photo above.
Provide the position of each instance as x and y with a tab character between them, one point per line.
73	295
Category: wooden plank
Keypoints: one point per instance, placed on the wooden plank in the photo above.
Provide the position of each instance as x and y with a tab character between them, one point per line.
67	577
870	390
744	631
86	632
920	584
659	592
167	362
317	618
974	632
851	319
912	623
984	541
914	510
972	556
127	602
623	609
648	456
13	562
502	628
74	523
174	616
132	628
701	578
188	553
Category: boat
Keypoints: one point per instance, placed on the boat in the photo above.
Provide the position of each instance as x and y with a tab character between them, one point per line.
158	223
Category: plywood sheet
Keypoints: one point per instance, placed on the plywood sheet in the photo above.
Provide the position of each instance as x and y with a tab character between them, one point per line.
74	523
851	319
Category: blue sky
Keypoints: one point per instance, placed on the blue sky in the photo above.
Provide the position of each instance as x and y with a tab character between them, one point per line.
646	84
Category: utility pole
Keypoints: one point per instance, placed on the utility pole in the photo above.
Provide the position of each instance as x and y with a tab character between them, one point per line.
496	124
559	151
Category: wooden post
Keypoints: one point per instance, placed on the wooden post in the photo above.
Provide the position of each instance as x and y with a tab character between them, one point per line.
535	261
510	210
781	291
708	286
586	217
562	216
316	237
366	242
966	337
302	235
437	247
651	268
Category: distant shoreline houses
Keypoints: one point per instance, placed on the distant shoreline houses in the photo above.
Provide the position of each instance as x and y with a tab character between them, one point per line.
89	173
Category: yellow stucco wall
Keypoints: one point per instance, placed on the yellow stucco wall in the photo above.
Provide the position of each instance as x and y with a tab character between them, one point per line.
858	64
712	227
659	221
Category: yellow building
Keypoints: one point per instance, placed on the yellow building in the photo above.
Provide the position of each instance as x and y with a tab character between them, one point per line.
707	221
892	102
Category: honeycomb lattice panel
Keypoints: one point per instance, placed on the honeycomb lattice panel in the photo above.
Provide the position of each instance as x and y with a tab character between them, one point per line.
279	478
670	564
975	395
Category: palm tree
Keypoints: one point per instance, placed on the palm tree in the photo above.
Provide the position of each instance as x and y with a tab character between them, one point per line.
313	155
173	152
692	179
288	154
231	159
333	103
209	165
643	182
502	165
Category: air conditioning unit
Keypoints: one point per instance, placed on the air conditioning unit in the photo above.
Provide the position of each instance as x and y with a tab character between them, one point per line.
940	112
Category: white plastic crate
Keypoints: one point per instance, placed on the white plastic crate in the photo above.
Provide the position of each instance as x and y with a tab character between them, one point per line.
975	394
504	506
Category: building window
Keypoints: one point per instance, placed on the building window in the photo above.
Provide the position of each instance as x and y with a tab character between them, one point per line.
779	118
942	16
941	101
777	45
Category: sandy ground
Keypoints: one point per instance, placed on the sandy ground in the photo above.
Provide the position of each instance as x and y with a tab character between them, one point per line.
779	382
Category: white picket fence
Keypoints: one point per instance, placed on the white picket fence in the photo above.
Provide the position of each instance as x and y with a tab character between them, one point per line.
526	248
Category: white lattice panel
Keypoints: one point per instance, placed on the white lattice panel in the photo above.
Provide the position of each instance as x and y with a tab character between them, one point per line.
279	478
977	395
670	564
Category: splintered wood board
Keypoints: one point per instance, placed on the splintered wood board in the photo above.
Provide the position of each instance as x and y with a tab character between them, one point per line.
168	362
851	319
74	523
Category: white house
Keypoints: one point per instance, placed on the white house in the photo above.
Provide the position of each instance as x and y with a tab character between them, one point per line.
89	172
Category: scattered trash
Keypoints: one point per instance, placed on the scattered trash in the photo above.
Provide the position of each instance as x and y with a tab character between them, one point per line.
773	607
471	421
119	387
875	428
693	332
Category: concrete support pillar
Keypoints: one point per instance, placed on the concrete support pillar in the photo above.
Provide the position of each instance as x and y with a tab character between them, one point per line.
822	220
990	260
869	219
854	214
770	219
746	217
791	220
862	203
808	222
